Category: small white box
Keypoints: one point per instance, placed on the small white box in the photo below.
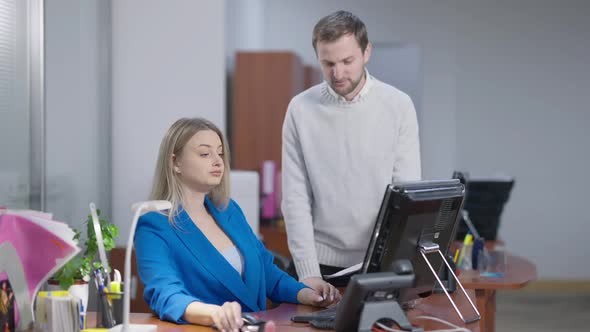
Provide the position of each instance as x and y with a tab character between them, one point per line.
245	190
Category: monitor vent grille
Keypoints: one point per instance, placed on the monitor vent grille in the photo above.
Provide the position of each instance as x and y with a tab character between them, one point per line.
444	215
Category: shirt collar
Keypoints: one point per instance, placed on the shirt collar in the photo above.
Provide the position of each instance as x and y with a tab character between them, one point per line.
362	93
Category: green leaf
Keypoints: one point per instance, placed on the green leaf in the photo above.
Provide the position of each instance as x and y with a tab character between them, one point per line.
83	264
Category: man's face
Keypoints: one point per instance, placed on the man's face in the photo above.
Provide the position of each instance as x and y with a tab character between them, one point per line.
343	64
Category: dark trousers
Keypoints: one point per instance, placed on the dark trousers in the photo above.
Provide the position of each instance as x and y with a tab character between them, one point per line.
341	281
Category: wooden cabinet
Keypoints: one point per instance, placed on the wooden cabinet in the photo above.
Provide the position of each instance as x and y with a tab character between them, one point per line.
117	261
264	83
275	238
312	76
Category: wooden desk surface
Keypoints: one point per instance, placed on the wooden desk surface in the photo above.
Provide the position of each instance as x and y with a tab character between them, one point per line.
436	305
518	272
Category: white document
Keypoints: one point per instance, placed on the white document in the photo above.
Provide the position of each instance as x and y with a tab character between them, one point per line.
349	270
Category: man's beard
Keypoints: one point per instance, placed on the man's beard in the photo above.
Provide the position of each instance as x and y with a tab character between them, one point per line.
353	85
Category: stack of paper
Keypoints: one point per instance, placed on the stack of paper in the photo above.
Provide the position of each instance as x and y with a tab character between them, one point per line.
58	312
32	248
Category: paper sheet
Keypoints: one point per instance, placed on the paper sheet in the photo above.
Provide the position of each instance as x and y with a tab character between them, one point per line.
349	270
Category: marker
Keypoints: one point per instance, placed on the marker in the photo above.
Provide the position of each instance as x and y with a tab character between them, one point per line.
478	245
115	287
467	241
82	315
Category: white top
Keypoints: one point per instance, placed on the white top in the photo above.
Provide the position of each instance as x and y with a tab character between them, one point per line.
234	258
338	157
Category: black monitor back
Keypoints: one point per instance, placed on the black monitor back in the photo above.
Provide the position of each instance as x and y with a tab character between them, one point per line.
484	201
411	213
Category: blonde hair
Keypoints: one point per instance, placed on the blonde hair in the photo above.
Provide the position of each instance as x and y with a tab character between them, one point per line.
166	184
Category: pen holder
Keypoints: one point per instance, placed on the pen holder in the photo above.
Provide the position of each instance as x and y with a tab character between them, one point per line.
464	260
446	278
473	255
109	309
492	263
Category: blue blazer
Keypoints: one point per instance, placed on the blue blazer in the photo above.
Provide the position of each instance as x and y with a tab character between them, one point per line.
178	265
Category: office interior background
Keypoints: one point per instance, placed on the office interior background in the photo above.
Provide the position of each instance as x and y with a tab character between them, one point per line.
503	88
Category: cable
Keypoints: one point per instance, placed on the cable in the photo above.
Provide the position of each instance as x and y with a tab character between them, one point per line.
455	328
387	328
376	329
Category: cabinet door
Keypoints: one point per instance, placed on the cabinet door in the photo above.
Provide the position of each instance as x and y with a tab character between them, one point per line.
264	83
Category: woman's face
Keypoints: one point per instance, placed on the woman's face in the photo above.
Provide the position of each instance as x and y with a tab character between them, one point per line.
200	164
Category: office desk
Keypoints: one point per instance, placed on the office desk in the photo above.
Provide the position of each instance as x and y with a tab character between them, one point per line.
518	272
436	305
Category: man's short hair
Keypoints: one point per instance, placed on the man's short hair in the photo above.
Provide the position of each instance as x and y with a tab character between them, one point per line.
338	24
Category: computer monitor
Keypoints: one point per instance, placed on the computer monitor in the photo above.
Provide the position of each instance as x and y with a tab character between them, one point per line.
415	219
485	198
411	214
369	298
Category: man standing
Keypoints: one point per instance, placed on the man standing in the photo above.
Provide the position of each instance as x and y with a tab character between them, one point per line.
344	140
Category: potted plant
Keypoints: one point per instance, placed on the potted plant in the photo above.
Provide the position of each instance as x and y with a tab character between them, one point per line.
79	269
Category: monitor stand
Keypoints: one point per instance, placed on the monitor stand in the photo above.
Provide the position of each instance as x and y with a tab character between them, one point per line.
427	247
390	309
374	311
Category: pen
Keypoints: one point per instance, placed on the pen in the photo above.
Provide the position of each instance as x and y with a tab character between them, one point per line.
104	301
82	315
99	281
467	241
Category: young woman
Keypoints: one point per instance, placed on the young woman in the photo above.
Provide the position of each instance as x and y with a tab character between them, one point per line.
200	262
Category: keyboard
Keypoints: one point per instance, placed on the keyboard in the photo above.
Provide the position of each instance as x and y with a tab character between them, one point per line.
328	324
321	315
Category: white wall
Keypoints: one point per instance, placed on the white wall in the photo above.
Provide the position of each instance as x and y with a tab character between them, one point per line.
77	111
289	25
168	62
244	28
522	109
505	89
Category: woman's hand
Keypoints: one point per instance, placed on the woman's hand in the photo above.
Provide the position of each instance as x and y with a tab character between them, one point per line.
321	293
227	317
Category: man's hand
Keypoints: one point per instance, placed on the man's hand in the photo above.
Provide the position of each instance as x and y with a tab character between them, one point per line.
323	294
